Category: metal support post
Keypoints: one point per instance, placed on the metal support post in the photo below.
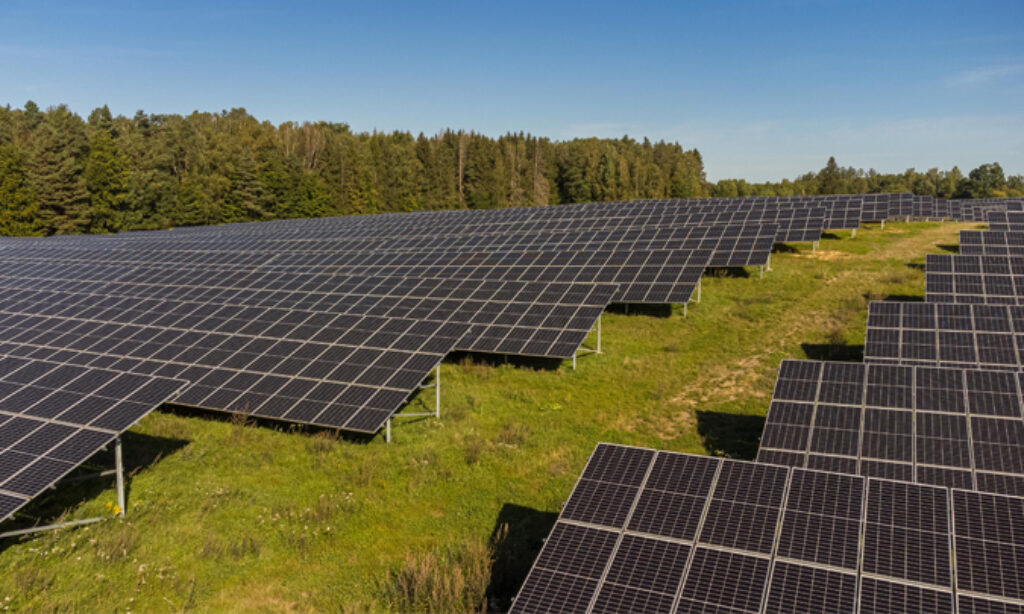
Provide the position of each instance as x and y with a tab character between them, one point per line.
853	233
814	246
122	505
437	393
574	361
698	290
768	263
684	309
762	271
883	225
387	431
599	333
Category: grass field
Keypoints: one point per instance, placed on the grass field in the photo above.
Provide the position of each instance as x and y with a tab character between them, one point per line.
225	515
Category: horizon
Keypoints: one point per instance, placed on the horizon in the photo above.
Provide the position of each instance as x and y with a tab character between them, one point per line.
765	91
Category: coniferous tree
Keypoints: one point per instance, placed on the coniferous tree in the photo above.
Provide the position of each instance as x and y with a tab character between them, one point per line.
830	179
19	210
56	172
106	176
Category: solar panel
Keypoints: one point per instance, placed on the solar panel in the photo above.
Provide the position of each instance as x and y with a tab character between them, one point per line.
840	543
991	243
54	416
1005	221
945	334
993	280
959	428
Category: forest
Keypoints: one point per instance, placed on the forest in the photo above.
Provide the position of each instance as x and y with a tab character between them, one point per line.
62	174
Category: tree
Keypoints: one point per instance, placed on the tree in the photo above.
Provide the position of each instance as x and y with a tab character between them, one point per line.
106	177
19	210
56	172
986	181
830	180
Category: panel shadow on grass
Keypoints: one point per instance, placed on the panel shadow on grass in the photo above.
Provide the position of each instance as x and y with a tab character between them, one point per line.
784	248
902	298
654	310
737	272
518	535
140	452
246	420
730	435
955	249
535	363
833	351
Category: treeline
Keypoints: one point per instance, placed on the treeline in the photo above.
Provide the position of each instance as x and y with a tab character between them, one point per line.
986	181
62	174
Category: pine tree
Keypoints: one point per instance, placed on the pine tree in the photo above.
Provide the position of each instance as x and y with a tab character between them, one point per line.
106	177
247	199
19	211
830	179
56	172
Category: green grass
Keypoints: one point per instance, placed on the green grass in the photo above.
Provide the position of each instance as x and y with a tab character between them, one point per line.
225	515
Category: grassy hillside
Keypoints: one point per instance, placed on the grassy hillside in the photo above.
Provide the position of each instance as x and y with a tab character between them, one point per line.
226	515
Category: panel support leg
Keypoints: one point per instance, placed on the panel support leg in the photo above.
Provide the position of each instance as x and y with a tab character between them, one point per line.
762	271
814	246
684	309
387	431
437	393
883	225
768	263
698	290
853	233
574	361
122	503
599	333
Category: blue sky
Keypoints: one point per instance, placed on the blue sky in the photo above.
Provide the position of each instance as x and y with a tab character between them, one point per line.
764	90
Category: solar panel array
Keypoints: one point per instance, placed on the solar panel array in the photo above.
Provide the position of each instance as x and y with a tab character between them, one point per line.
54	416
655	531
336	321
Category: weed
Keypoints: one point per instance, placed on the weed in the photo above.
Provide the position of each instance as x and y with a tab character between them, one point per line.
453	579
116	543
513	434
475	446
323	443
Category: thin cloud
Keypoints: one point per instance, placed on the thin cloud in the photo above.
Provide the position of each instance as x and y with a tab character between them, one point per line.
986	74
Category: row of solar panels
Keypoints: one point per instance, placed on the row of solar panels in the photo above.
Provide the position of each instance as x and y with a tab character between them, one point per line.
894	485
838	211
